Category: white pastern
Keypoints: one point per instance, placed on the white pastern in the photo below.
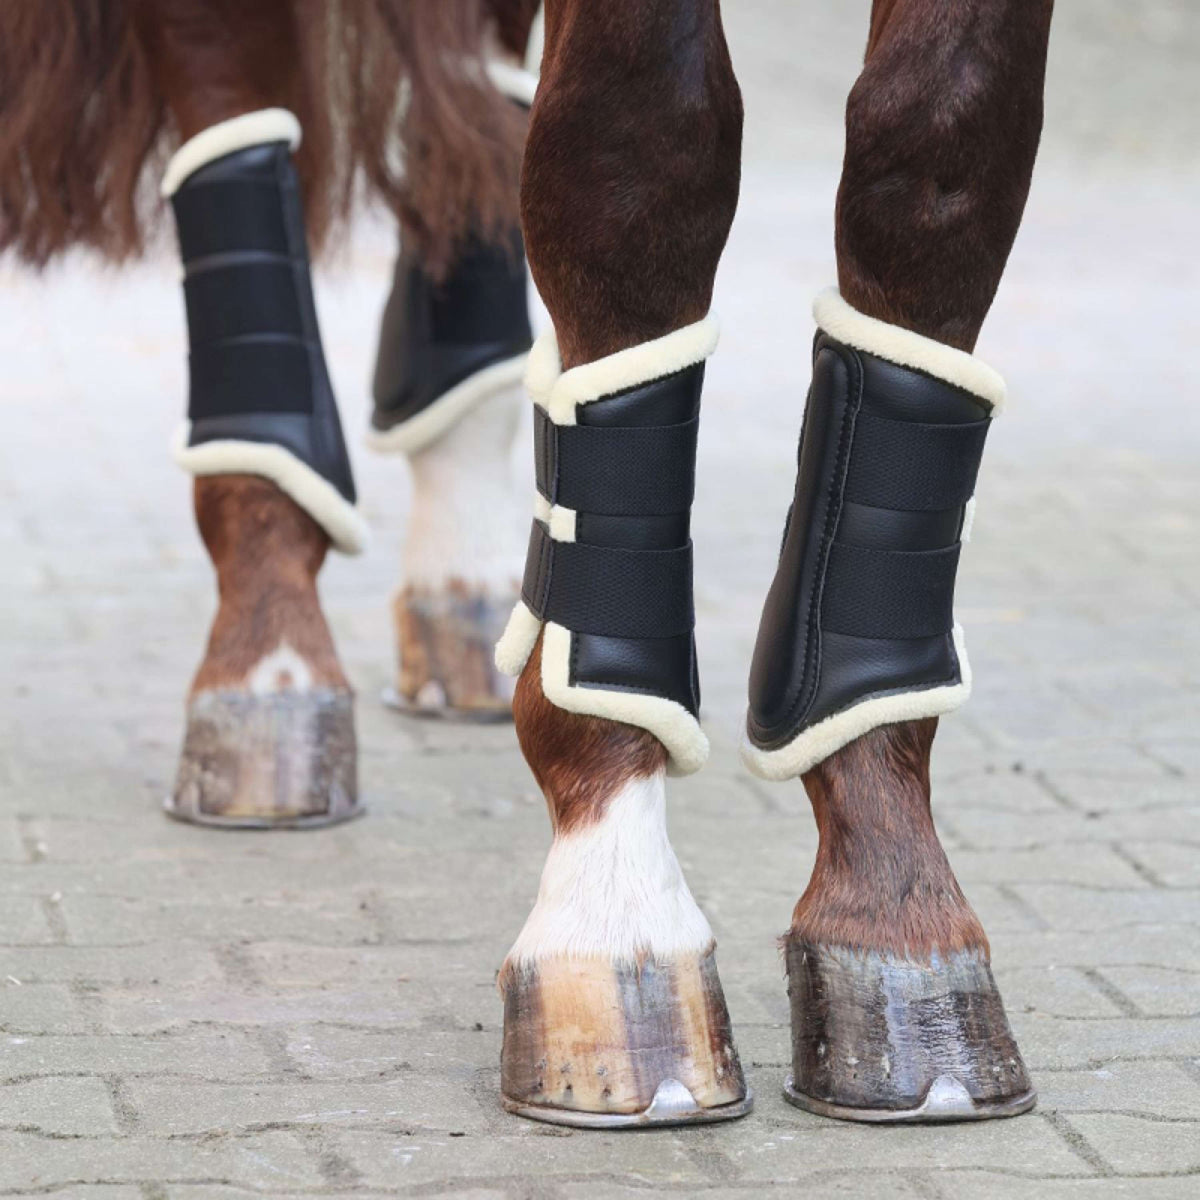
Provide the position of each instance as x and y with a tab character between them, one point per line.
614	889
283	670
469	521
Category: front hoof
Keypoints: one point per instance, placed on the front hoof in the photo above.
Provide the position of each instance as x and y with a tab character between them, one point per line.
598	1045
282	761
880	1038
446	642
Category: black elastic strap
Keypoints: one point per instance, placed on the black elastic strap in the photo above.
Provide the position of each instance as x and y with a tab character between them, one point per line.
265	373
616	470
234	299
913	466
609	592
874	593
238	213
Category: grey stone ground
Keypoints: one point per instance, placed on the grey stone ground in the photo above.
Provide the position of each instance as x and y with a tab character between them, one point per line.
191	1014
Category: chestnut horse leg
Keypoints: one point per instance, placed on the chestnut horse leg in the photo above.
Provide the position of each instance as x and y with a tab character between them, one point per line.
448	394
894	1012
270	738
614	1014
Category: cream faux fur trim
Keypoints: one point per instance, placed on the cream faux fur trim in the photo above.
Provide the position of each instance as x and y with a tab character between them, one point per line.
250	129
559	391
434	422
514	82
909	349
670	722
518	640
316	495
819	741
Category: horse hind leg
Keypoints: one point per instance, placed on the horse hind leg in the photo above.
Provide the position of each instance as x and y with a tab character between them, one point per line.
270	736
614	1013
449	391
895	1014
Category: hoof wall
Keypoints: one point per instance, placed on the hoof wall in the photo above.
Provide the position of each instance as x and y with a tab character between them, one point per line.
602	1045
286	761
446	641
881	1038
673	1104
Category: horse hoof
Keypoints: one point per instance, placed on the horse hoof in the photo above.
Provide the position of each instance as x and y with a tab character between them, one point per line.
446	641
879	1038
281	761
595	1045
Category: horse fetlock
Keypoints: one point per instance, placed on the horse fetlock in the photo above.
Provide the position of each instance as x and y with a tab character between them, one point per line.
270	738
614	1012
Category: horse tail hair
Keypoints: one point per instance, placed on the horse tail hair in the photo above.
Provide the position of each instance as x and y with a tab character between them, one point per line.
391	95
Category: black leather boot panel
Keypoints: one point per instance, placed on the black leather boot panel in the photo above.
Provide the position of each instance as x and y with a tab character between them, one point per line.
862	601
434	336
257	369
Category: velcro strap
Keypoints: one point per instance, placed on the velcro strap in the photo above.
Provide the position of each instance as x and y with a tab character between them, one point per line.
238	298
609	592
647	470
264	373
913	466
889	593
229	214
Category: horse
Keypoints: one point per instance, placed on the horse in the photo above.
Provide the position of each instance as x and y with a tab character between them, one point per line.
629	179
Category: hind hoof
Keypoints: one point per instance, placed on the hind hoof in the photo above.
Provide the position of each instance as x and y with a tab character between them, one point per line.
446	641
283	761
879	1038
595	1045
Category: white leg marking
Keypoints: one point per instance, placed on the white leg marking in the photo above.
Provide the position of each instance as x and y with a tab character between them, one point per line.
468	521
614	889
283	670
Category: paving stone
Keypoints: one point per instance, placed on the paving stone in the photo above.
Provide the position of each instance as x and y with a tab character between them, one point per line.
61	1106
38	1008
981	1186
1063	906
1157	992
218	1053
269	1162
1151	1089
98	1191
1141	1145
23	920
423	1104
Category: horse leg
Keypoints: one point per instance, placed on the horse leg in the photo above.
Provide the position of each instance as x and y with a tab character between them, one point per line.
448	393
270	730
895	1015
614	1014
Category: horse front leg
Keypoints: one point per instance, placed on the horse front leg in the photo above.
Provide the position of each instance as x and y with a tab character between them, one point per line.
614	1014
895	1015
270	728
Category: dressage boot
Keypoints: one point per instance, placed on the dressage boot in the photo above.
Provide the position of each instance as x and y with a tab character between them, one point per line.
452	354
614	1014
270	727
895	1015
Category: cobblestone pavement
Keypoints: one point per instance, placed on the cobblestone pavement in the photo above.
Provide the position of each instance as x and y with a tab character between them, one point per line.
191	1014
